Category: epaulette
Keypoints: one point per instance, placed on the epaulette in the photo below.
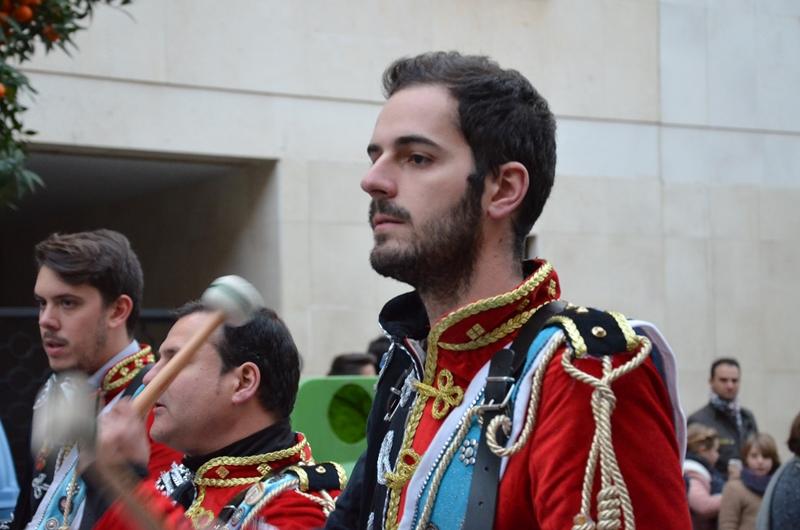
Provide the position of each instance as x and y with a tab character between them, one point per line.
318	477
303	478
595	332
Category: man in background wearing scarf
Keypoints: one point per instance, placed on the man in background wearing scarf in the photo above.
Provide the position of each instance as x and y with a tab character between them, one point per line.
723	413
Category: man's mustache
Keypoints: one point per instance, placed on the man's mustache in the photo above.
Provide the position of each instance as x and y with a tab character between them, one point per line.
385	207
49	336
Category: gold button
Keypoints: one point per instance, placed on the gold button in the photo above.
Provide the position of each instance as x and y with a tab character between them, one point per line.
320	470
581	310
599	332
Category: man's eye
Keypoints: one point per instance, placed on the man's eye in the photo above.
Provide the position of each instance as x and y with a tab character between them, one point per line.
67	304
418	160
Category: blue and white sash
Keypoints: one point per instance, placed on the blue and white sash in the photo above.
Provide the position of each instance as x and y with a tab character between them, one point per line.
451	502
50	513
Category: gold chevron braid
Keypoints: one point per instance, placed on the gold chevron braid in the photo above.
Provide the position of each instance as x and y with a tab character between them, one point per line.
572	332
141	358
421	400
229	482
494	302
503	330
631	340
243	461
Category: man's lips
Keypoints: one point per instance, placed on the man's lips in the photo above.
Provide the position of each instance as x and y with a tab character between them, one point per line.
54	346
380	219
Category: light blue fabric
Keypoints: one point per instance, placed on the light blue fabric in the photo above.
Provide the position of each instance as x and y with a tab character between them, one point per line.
53	515
270	486
9	489
450	506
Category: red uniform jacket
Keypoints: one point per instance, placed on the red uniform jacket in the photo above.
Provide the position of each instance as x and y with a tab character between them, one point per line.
218	480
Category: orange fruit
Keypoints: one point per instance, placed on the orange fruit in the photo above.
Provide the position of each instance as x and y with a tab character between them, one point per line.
23	14
50	33
2	91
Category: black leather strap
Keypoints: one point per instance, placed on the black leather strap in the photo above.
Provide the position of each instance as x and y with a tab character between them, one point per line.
505	368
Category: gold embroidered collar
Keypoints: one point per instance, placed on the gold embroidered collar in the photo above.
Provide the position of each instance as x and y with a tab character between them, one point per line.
124	371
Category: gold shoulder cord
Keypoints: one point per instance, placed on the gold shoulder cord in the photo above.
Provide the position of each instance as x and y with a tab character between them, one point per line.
197	513
613	502
408	459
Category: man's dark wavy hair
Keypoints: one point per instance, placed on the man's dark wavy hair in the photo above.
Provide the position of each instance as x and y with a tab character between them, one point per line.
265	341
101	258
502	117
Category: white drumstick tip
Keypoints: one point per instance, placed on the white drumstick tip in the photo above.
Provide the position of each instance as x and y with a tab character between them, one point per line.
234	296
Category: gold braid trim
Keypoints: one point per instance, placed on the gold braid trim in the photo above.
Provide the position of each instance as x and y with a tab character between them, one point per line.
197	512
244	461
403	470
395	481
489	303
572	332
143	357
631	341
503	330
302	476
341	473
446	395
200	517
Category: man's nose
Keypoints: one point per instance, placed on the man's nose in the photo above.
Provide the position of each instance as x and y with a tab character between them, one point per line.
379	181
151	373
47	318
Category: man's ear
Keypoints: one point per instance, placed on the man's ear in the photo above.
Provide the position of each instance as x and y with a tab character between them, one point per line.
248	381
506	191
120	310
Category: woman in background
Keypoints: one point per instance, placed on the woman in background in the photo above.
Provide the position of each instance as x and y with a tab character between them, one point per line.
741	497
704	481
780	509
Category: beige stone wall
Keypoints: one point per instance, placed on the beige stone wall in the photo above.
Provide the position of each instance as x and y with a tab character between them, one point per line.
679	152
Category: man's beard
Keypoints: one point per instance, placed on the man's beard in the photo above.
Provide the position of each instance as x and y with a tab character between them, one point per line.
441	258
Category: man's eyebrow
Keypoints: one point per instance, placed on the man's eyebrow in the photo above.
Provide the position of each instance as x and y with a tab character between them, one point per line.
167	351
415	139
402	141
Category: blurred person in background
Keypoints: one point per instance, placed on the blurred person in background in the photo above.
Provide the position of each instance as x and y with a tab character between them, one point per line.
780	509
353	364
734	424
377	348
741	497
705	482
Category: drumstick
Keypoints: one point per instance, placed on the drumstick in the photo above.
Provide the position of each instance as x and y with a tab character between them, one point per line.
233	300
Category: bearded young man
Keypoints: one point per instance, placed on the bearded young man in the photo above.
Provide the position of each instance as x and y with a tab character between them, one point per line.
89	291
463	159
